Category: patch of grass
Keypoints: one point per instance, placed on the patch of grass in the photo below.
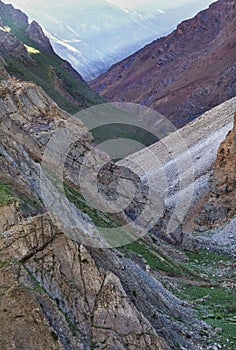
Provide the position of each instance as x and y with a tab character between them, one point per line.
6	195
153	259
208	263
217	306
125	131
98	217
206	257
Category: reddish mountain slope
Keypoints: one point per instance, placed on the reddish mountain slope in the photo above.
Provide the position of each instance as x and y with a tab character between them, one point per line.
183	74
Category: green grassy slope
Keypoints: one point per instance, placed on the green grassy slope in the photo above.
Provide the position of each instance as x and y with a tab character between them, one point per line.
48	71
6	195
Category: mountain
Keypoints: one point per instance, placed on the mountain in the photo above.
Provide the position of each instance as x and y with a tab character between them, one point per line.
57	292
92	35
73	275
30	56
183	74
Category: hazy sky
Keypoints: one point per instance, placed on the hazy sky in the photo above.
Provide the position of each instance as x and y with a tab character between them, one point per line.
162	4
134	4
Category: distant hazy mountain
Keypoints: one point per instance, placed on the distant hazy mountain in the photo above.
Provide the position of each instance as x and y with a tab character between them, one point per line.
94	34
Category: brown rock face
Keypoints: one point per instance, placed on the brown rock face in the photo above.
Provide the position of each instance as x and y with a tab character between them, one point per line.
99	309
183	74
8	217
222	202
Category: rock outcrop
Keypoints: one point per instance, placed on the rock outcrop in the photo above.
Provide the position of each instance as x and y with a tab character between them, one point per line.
221	205
9	216
9	44
37	35
97	306
183	74
16	16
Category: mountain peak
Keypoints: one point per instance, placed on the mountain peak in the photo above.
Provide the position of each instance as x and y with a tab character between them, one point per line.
36	34
16	16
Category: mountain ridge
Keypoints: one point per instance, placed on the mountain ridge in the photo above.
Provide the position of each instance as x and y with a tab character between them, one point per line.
29	56
62	287
92	35
183	74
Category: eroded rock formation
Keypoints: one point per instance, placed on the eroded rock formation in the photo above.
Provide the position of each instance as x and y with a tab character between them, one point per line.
221	205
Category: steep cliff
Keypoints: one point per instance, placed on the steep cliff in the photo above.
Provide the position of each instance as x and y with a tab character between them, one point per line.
221	205
37	35
55	295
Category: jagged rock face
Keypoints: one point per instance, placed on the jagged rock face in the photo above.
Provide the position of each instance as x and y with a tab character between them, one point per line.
36	34
28	117
183	74
11	45
222	200
3	72
8	16
23	323
17	16
94	300
8	216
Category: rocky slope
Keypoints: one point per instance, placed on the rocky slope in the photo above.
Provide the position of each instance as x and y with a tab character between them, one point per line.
187	158
183	74
56	293
99	311
221	205
72	297
29	56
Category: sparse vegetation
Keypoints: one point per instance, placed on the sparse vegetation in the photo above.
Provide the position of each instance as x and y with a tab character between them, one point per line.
98	217
216	305
6	195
